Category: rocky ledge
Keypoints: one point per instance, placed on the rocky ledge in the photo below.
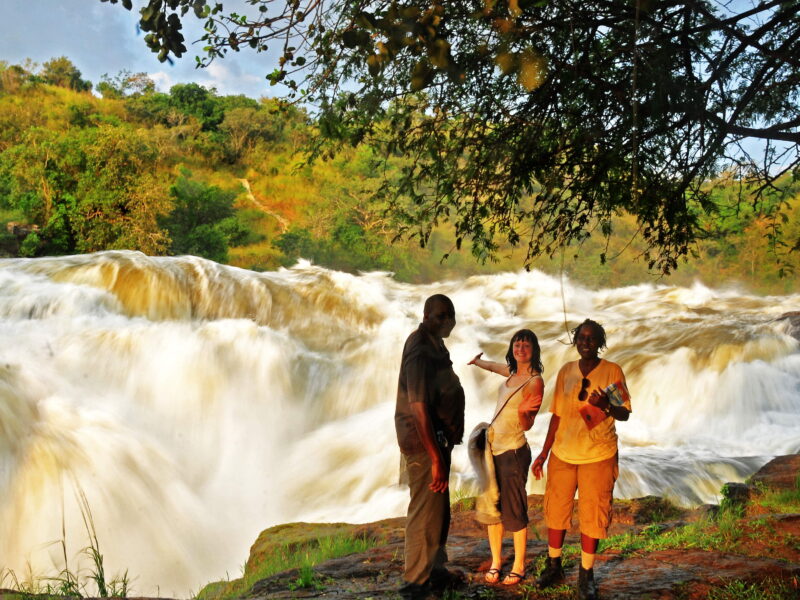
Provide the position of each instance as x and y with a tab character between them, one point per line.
747	547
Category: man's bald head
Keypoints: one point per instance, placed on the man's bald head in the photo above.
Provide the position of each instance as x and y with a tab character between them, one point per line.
436	299
439	315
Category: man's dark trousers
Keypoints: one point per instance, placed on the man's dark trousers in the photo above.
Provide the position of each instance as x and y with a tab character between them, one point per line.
428	520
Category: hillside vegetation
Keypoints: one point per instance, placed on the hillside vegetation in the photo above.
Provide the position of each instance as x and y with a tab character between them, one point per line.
224	177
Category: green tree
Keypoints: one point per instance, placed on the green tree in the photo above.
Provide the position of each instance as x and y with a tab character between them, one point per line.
151	108
62	72
535	122
241	129
246	126
12	77
202	220
184	102
296	243
120	198
195	100
87	189
237	101
125	84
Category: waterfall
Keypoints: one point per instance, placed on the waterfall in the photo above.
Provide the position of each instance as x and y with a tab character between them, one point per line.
196	404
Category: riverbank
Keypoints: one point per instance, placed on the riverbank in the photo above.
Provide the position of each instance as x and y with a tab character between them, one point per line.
747	547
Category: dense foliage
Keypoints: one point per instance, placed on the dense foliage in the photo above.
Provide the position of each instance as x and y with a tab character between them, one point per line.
189	171
536	122
202	220
87	177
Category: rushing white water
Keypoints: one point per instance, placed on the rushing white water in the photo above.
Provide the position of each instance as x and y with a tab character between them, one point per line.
196	404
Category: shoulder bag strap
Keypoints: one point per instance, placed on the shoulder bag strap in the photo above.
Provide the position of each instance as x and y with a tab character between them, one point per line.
511	395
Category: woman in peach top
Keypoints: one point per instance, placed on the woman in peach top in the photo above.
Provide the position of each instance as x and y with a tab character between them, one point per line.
519	399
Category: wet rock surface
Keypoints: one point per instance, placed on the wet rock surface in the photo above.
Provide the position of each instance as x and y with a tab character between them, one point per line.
793	323
667	574
779	473
770	554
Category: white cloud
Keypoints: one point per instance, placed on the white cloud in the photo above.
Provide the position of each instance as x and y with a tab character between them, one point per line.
102	38
163	80
228	78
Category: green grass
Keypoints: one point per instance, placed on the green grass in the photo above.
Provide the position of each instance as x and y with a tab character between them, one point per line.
306	578
722	532
463	498
780	501
768	589
67	582
529	591
569	557
114	588
64	585
286	557
25	587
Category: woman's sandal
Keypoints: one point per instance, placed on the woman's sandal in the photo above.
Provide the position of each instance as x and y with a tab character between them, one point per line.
513	578
492	576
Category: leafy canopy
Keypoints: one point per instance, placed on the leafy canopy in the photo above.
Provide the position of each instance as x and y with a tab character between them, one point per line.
201	219
88	189
535	122
62	72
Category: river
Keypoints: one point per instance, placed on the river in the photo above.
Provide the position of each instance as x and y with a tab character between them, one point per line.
195	404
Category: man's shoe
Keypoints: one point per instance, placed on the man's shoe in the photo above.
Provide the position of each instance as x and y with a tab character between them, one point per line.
552	573
415	591
442	579
587	588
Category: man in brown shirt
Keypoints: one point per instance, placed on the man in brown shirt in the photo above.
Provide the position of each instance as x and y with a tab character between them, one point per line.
429	419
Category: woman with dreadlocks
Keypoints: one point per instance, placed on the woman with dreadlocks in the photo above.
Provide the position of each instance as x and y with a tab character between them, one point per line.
590	396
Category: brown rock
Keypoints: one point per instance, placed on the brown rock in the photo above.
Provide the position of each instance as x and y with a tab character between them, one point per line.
793	320
672	574
653	509
739	494
765	548
291	535
782	472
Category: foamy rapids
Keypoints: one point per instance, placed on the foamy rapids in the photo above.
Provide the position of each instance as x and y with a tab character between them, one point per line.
196	404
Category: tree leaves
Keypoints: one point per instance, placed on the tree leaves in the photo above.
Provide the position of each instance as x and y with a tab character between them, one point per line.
534	120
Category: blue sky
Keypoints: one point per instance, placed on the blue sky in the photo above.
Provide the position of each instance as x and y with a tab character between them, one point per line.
102	38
